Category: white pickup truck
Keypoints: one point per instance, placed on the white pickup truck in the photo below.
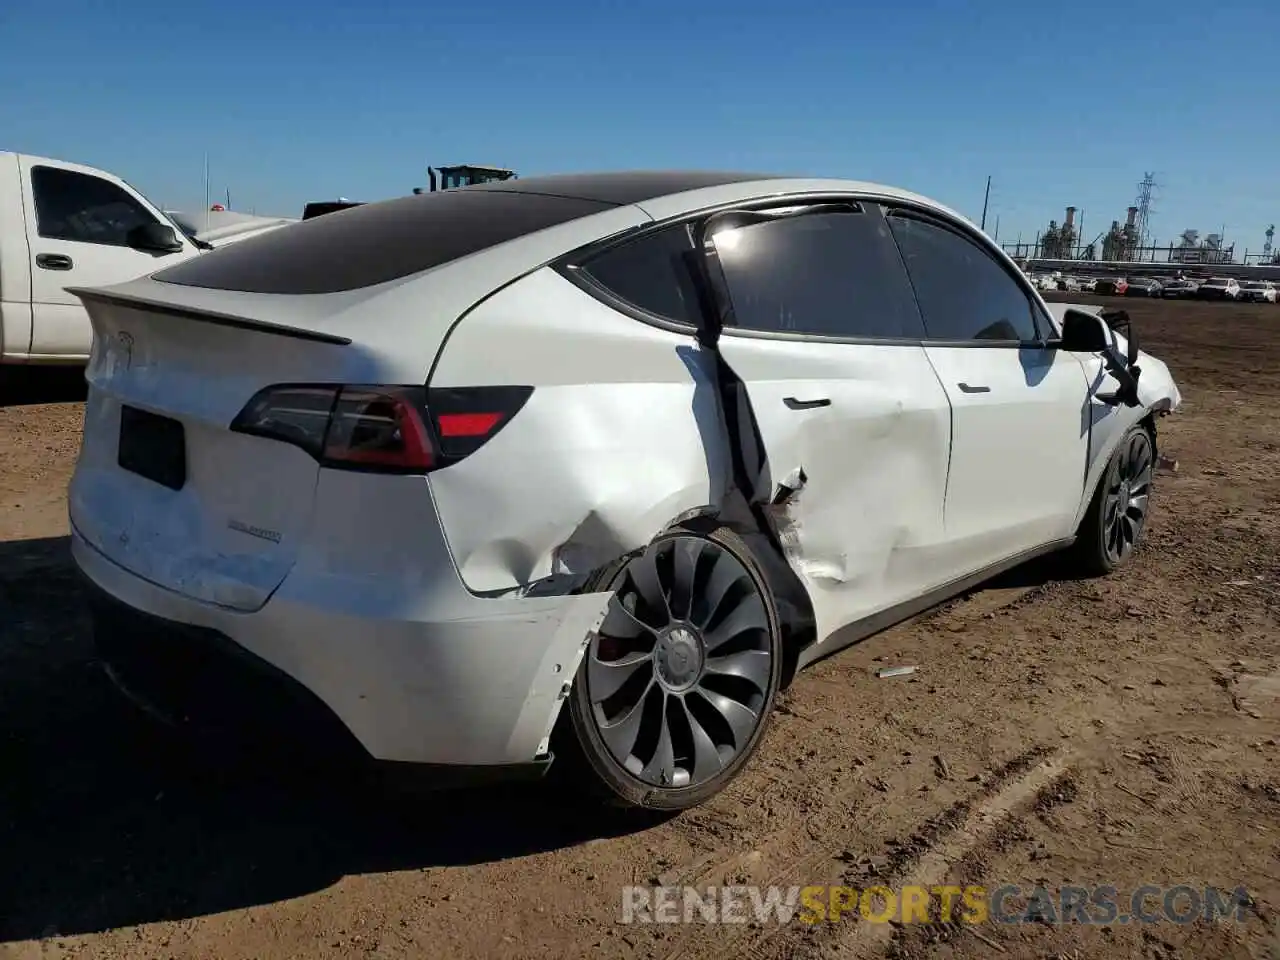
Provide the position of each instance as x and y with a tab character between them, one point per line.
66	225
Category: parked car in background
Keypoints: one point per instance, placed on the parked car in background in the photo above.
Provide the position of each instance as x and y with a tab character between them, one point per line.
1219	288
1143	287
1179	289
1258	291
1087	284
63	225
449	480
1112	286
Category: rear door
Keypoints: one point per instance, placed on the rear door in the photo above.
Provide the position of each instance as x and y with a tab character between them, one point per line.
76	228
1020	417
823	334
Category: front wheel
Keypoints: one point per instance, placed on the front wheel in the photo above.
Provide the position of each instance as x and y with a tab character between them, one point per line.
1117	516
677	685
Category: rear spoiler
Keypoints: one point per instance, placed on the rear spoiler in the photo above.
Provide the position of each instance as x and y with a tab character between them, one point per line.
89	295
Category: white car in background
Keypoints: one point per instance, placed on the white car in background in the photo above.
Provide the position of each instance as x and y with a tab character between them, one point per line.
585	464
1258	291
1219	288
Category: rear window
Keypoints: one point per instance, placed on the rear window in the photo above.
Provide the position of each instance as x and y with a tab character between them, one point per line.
652	273
377	242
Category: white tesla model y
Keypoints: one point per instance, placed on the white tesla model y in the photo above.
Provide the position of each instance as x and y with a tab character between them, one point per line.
586	464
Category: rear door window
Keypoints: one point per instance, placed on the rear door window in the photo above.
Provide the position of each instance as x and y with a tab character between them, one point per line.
377	242
825	274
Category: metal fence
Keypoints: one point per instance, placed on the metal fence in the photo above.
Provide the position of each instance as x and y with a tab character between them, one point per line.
1171	254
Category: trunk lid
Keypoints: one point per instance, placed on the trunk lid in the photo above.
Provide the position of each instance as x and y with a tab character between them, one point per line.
162	486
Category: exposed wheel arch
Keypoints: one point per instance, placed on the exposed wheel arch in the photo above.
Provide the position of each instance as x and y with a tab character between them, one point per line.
619	759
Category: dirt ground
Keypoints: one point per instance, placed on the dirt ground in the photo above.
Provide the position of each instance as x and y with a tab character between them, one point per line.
1122	732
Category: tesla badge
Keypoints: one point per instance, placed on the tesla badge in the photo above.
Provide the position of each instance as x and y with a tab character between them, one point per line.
125	339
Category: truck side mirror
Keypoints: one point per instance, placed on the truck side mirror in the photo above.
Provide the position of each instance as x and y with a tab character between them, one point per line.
154	238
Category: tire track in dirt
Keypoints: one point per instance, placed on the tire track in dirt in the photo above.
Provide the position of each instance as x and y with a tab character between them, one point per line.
931	849
933	865
813	846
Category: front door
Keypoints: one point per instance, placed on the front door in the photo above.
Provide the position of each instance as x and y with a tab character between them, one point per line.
1020	417
76	235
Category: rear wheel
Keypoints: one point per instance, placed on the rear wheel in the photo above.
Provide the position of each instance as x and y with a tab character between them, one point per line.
1117	517
677	685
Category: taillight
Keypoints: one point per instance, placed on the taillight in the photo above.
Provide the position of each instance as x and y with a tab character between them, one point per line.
464	418
379	428
392	429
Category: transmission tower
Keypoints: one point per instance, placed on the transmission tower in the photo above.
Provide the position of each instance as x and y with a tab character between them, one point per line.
1266	247
1146	194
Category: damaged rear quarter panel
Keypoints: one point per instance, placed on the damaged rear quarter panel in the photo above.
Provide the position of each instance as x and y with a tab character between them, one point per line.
621	435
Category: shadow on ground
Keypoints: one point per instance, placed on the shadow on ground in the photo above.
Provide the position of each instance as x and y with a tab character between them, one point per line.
105	821
21	385
1036	573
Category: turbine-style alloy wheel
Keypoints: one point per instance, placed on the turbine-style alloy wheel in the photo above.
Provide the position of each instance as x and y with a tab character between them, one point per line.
1127	497
678	681
1113	526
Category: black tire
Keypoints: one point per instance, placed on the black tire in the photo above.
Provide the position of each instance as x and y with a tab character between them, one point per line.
727	608
1108	534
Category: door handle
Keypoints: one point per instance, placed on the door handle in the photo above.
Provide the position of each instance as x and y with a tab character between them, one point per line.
53	261
965	388
794	403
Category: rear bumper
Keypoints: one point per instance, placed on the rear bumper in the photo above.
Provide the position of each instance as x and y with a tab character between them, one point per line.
201	682
460	697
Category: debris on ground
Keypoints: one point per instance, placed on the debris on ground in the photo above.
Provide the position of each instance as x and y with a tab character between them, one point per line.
885	672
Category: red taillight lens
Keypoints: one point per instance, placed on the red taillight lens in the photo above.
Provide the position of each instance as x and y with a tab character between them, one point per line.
466	418
393	429
467	424
379	427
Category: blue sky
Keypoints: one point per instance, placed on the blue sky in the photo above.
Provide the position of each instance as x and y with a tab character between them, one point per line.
298	101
